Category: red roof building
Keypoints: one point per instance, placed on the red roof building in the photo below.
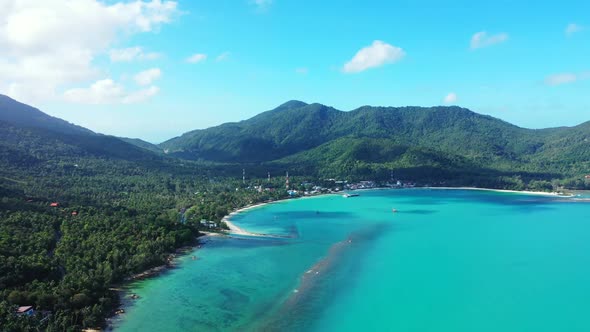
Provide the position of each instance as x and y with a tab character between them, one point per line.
74	213
54	204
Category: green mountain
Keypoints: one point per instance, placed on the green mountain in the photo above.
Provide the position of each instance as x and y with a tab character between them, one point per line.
324	140
142	144
288	129
434	143
22	115
30	135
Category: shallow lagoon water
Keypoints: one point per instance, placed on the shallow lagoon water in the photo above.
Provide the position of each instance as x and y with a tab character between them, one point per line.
448	260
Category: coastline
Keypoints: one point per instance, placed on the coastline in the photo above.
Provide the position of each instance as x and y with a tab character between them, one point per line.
525	192
236	230
233	228
123	288
170	261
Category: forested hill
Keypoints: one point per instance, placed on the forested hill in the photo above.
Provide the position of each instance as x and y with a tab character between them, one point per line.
29	134
19	114
142	144
288	129
294	131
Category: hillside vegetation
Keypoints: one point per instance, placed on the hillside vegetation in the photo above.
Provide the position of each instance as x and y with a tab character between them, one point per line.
446	141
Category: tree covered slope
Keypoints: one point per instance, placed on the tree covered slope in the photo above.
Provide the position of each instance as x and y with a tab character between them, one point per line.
294	131
22	115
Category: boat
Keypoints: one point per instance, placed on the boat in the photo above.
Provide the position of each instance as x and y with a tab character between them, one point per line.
350	195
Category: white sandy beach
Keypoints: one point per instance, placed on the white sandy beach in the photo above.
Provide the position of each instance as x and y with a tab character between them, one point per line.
233	229
540	193
206	233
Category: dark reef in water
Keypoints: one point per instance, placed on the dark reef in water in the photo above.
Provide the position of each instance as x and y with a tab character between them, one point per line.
317	284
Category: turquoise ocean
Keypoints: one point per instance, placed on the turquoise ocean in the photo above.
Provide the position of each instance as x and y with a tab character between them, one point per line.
447	260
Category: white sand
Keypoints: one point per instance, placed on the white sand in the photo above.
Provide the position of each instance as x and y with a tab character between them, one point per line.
233	229
540	193
211	233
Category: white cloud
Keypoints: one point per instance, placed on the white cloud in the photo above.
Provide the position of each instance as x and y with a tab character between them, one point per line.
107	91
24	93
573	28
565	78
375	55
131	54
482	39
196	58
47	46
223	56
141	95
450	98
147	77
101	92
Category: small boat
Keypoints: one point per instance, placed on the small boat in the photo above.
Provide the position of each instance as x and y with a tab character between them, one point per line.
394	210
350	195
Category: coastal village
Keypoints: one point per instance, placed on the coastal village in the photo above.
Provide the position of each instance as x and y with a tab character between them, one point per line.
294	190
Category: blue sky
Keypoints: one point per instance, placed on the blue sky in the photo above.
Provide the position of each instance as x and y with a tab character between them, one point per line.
526	64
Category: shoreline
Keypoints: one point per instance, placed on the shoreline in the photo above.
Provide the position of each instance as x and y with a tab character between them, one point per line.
123	288
236	230
525	192
233	228
170	261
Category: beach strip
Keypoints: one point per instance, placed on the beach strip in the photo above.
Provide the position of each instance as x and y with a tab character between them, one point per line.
234	229
526	192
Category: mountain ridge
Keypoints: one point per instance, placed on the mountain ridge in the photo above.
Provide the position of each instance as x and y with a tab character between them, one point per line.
40	136
15	112
319	139
319	123
292	133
